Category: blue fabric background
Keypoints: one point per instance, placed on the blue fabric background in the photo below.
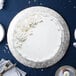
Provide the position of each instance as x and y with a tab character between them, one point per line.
67	8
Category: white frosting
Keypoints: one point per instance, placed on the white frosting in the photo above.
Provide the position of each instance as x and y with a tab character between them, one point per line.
38	37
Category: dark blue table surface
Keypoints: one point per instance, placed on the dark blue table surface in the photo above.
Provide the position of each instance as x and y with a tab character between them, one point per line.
67	8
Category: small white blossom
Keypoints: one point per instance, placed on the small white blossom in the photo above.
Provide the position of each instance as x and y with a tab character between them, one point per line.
66	73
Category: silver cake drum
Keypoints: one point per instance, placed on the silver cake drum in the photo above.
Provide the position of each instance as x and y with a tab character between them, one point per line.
38	37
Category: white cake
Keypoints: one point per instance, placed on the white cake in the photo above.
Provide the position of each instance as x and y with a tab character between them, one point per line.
36	35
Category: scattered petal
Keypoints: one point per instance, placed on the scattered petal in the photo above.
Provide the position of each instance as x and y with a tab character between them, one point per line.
69	1
29	2
74	44
74	7
42	69
35	0
41	4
